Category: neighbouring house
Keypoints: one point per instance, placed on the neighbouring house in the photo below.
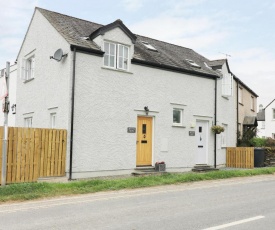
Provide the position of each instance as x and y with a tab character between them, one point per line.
247	111
126	100
266	119
12	95
244	103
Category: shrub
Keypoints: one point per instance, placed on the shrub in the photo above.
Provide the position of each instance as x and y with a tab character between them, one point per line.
258	142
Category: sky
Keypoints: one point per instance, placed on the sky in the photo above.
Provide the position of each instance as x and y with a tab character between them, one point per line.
242	31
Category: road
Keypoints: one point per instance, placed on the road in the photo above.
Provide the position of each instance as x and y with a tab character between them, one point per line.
238	203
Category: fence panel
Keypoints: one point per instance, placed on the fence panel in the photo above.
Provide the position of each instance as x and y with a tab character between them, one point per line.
240	157
34	153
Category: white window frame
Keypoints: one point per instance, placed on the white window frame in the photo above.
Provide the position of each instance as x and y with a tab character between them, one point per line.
181	117
28	122
52	120
224	136
240	95
28	68
252	103
118	56
227	85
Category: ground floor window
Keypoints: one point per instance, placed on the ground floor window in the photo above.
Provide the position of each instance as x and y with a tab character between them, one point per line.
177	116
28	122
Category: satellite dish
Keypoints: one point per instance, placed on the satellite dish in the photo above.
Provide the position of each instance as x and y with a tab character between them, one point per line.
58	55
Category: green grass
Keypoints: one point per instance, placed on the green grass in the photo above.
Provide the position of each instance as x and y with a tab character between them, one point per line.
29	191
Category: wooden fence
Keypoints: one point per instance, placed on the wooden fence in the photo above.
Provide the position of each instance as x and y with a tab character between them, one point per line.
34	153
240	157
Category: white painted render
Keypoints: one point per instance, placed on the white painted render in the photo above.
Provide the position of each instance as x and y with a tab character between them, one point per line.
226	116
12	96
108	101
49	90
269	120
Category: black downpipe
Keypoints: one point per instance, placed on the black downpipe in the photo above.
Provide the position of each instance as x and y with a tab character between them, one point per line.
72	117
215	122
238	131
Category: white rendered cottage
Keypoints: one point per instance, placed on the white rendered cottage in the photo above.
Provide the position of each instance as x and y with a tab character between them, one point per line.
125	99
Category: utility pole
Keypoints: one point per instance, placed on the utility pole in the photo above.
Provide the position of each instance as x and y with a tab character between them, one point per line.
5	132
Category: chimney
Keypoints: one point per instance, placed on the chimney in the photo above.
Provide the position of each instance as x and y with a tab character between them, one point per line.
261	107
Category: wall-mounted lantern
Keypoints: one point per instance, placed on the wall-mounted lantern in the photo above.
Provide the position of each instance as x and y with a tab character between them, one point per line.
13	109
146	109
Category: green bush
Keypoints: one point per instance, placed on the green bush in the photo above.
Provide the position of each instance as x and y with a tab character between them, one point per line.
258	142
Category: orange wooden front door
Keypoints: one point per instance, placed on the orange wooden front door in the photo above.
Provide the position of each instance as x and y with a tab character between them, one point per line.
144	141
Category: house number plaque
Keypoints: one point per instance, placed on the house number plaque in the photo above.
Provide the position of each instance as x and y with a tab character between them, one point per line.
131	130
191	133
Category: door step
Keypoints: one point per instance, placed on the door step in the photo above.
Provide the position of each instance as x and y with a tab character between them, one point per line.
203	168
145	170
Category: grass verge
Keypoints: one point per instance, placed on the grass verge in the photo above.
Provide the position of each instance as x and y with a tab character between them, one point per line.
29	191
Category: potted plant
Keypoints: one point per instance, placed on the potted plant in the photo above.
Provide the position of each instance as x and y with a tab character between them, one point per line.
160	166
217	129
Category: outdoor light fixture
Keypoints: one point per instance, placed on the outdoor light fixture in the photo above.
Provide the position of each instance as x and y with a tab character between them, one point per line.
13	109
146	109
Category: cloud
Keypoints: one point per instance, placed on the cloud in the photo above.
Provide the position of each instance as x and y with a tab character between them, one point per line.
132	5
15	17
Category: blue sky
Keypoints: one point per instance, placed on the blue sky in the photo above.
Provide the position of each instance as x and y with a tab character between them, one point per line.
243	29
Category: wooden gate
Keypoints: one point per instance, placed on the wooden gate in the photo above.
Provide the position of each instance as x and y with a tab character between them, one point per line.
240	157
34	153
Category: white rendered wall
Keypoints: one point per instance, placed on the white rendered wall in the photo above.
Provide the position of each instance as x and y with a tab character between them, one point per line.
12	96
49	91
269	121
260	130
227	115
109	101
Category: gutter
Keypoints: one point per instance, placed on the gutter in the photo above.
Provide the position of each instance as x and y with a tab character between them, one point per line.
172	68
215	122
72	116
237	102
87	50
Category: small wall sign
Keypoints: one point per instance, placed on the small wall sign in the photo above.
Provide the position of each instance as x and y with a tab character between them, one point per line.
131	130
191	133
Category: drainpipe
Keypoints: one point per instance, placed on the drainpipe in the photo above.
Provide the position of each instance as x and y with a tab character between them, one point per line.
215	122
72	117
237	100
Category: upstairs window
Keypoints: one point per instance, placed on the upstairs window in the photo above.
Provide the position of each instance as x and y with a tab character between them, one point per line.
116	56
192	63
252	103
273	111
240	95
149	46
227	85
27	69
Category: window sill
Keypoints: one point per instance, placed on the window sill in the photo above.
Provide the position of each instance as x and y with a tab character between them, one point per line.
178	126
26	81
240	103
225	97
117	70
252	110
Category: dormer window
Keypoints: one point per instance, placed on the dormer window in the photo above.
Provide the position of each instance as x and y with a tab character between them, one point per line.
192	63
116	56
149	46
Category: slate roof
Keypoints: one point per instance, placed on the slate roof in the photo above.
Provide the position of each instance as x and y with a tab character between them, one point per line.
74	30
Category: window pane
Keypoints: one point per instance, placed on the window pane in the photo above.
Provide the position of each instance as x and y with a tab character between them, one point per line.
120	62
106	47
112	61
106	60
126	52
176	116
112	49
120	51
